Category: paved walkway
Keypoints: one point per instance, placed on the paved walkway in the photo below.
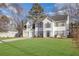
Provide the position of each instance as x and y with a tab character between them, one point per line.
10	40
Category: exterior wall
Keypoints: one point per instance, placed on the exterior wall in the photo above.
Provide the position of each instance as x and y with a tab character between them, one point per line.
28	32
25	33
47	29
62	28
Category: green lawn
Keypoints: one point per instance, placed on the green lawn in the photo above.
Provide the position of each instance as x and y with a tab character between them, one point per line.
39	47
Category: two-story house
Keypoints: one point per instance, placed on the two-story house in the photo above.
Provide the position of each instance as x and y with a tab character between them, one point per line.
57	25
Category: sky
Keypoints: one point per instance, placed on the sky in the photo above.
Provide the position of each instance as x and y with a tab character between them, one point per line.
48	7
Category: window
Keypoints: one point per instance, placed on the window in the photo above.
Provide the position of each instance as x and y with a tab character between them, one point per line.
59	33
33	27
47	25
40	33
59	24
40	24
25	26
56	32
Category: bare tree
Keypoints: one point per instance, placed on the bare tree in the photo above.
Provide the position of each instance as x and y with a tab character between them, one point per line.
4	23
17	14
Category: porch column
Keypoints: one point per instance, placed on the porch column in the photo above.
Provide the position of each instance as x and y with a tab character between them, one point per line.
44	31
36	30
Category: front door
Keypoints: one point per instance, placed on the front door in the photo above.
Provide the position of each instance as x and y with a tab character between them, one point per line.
48	33
40	34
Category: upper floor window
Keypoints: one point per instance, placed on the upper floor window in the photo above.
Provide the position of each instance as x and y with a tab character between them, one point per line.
33	26
25	26
47	25
59	24
40	24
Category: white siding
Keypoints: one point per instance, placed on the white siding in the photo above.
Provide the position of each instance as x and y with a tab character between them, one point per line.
29	30
47	29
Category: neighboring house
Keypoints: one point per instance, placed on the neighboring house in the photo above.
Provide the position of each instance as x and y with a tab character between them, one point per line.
57	25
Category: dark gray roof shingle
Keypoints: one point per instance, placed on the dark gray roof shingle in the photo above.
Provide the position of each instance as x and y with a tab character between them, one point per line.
59	17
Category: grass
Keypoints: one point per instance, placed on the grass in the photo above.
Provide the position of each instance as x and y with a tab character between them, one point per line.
39	47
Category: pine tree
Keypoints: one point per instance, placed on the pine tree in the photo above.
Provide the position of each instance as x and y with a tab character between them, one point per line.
36	12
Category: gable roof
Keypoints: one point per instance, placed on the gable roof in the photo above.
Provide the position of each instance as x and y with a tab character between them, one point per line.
41	19
52	18
59	17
